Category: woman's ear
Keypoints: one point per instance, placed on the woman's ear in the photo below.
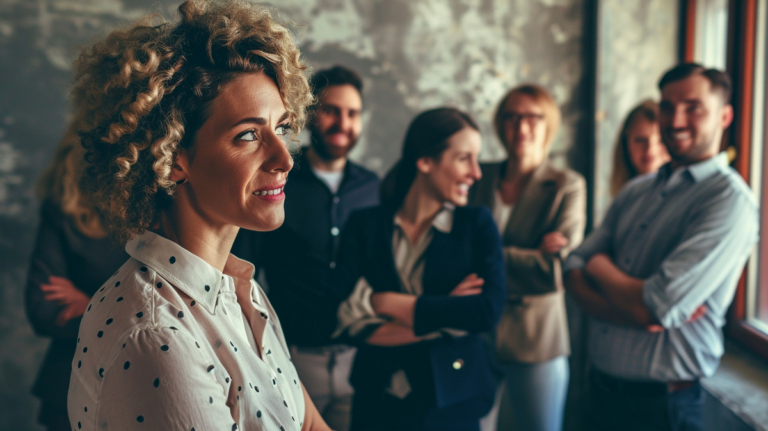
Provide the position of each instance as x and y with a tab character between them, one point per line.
180	168
425	164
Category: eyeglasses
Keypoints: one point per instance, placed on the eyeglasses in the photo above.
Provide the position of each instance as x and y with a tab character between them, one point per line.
514	117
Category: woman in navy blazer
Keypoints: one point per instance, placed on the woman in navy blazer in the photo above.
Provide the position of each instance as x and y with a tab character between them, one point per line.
422	362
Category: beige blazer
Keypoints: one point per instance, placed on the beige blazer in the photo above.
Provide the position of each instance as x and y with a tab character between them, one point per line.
534	327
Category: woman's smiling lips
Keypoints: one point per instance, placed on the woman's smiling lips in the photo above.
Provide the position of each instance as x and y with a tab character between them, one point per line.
271	193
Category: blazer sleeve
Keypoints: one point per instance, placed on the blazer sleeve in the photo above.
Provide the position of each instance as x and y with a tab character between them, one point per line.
48	258
571	221
474	313
357	321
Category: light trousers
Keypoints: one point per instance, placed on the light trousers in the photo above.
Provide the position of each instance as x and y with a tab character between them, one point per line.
531	397
325	374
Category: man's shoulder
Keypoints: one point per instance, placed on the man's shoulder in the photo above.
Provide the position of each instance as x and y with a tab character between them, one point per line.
362	173
733	181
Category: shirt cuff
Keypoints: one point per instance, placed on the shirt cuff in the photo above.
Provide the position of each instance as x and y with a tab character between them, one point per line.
574	261
656	300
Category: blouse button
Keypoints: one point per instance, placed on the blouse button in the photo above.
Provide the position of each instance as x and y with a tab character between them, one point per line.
458	364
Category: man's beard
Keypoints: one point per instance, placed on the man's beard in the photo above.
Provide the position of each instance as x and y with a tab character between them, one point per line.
329	152
701	145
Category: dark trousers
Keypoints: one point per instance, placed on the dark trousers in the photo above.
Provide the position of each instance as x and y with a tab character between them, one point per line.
616	404
383	412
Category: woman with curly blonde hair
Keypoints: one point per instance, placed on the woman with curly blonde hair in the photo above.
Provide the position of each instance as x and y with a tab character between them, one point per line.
184	129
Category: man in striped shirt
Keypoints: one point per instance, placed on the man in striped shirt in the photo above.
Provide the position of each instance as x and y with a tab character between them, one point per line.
659	274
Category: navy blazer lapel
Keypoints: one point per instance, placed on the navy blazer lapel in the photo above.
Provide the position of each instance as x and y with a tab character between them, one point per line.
445	260
384	253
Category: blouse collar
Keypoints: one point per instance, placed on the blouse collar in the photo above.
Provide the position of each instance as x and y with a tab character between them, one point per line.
443	220
186	271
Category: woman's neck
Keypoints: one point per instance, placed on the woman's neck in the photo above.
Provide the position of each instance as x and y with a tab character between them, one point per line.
521	168
210	242
419	207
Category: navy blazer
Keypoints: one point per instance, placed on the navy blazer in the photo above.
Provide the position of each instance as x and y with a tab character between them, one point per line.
460	370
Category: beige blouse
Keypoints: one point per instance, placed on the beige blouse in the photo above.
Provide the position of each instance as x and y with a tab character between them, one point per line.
171	343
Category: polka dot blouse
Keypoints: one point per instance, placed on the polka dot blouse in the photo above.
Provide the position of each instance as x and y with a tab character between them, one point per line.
171	343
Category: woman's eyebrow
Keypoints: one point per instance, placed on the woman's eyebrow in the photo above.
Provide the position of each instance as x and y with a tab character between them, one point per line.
261	121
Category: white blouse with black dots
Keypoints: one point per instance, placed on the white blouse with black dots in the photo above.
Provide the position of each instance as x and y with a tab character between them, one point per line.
171	343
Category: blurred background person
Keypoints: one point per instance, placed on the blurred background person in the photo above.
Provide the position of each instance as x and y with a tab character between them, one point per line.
71	259
299	258
428	278
639	149
540	211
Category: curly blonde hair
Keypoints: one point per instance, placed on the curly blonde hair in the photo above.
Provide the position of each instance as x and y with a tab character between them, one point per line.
141	94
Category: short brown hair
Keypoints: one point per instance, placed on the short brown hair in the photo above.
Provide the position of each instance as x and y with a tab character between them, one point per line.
541	96
336	75
623	170
142	93
720	81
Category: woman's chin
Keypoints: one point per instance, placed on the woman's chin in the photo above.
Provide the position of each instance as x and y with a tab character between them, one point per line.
265	223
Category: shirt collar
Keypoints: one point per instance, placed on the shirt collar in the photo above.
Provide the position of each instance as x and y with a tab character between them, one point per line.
698	171
703	170
186	271
443	221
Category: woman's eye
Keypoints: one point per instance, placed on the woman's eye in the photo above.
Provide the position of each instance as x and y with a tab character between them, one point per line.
247	136
283	129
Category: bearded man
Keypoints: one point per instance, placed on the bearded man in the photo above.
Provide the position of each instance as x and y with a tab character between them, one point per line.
299	258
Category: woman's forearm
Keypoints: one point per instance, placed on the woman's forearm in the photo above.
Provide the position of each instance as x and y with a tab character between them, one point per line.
393	334
313	421
398	306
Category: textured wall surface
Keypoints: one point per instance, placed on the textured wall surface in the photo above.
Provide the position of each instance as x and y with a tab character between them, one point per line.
637	42
413	55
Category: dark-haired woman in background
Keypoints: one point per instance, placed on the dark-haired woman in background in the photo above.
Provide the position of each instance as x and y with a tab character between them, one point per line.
71	259
429	276
541	214
639	149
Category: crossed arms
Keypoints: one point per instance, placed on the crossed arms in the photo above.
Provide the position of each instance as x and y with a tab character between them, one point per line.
711	250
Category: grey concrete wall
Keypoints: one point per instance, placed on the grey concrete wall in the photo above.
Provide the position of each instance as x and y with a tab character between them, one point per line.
413	55
637	42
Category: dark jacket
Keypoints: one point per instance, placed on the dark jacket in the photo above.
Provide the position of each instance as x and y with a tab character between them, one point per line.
299	257
61	250
452	371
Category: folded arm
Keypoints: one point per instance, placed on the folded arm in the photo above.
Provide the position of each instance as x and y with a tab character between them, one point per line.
473	313
48	259
623	291
711	252
570	222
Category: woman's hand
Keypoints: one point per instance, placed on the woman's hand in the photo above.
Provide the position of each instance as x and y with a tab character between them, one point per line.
553	242
64	293
471	285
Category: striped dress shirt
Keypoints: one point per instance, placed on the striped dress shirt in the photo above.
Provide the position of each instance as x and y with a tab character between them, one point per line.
687	234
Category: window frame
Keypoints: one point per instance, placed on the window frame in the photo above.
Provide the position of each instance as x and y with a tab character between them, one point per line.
742	33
